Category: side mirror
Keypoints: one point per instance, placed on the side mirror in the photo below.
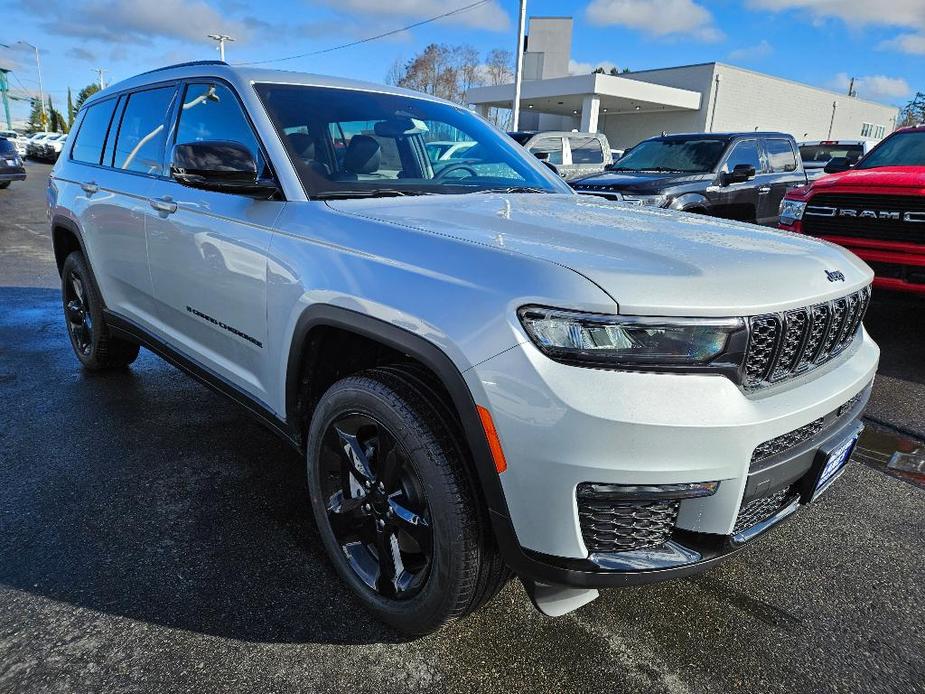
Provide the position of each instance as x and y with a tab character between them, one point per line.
542	156
740	174
837	165
220	166
552	167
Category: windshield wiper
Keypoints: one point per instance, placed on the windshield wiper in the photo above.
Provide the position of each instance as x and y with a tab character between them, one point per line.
512	189
374	193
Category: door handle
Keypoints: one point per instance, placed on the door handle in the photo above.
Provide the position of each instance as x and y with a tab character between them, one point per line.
90	187
764	190
164	204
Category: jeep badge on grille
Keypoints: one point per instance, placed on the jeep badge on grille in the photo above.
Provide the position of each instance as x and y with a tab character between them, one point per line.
835	275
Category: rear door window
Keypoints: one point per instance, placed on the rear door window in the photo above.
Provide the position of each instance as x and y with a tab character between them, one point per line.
551	146
88	145
780	155
140	143
586	150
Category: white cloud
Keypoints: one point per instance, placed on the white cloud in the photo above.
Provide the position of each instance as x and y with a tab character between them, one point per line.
661	18
488	16
913	44
908	13
873	86
577	68
762	49
124	21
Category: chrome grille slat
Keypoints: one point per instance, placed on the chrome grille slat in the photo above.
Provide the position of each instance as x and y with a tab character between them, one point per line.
782	345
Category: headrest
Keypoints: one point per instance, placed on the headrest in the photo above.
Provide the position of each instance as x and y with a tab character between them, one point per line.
363	155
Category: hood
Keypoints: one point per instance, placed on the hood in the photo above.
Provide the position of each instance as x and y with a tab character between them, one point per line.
639	182
650	261
911	177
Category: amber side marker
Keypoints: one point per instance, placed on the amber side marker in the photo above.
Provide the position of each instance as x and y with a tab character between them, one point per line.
494	443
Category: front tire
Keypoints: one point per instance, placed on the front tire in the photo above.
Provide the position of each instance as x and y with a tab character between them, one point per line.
4	184
394	505
96	349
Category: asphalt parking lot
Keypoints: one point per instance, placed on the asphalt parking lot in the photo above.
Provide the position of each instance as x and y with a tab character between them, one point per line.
153	538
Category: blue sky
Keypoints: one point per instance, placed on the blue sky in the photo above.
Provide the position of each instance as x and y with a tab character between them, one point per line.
821	42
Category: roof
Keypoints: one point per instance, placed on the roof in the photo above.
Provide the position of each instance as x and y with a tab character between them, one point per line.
243	74
723	135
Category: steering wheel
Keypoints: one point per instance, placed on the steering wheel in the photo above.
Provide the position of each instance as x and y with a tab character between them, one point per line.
455	167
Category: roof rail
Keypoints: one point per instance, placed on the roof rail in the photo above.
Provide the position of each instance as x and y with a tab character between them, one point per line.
191	63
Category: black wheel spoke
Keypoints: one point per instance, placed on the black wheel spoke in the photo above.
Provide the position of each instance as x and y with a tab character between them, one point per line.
346	515
391	567
356	457
412	523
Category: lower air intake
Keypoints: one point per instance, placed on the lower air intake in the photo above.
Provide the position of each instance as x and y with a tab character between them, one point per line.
618	526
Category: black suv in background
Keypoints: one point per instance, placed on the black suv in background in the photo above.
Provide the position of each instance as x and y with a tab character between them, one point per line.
741	176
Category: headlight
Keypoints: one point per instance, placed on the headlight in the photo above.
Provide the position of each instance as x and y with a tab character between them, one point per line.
791	210
614	341
647	200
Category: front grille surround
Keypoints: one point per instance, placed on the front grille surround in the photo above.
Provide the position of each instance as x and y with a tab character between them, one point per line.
784	345
620	526
823	217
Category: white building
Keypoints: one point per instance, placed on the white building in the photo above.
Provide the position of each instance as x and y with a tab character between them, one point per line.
708	97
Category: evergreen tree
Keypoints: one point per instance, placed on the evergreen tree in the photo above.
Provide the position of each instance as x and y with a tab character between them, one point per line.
71	111
85	94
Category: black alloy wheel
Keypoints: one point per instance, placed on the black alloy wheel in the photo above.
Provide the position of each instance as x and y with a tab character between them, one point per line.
79	319
376	506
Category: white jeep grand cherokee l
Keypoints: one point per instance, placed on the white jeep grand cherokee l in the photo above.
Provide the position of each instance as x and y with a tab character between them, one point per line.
486	373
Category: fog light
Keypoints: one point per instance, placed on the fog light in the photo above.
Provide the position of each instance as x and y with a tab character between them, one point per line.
646	492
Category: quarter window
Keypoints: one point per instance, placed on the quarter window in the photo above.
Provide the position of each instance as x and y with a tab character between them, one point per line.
780	156
586	150
88	146
140	143
743	152
212	112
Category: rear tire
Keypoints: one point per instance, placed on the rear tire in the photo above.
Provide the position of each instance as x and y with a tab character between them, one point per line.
94	346
4	184
444	563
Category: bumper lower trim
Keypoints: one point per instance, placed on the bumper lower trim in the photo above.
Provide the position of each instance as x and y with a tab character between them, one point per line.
761	526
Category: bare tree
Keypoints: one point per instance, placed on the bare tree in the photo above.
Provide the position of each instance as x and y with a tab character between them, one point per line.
499	67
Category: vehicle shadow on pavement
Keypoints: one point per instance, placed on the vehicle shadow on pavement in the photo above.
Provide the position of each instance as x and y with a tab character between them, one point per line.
143	494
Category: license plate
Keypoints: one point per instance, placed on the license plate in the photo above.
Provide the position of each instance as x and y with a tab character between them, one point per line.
834	464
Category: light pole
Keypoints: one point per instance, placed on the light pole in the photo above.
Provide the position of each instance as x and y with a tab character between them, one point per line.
38	67
519	66
99	72
221	38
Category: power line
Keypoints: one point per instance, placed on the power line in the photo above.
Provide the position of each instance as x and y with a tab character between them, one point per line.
459	10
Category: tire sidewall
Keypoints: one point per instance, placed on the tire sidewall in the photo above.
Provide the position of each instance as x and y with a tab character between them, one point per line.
76	264
443	583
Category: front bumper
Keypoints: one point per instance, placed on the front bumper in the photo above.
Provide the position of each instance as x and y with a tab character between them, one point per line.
562	425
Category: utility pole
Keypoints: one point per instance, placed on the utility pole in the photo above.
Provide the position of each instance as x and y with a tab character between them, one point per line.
99	72
851	91
221	38
4	89
519	66
38	66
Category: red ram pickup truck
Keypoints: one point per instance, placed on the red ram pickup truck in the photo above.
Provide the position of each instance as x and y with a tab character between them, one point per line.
875	208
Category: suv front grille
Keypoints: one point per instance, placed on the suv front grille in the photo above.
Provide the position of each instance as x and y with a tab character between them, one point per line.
783	345
885	218
762	508
618	526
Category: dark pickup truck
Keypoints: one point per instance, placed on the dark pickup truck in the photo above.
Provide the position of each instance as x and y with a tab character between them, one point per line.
741	176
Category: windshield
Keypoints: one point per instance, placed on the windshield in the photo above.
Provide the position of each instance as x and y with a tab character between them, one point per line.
822	154
902	149
684	156
347	143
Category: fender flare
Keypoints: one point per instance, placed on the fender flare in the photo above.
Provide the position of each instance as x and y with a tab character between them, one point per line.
60	221
431	356
689	200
